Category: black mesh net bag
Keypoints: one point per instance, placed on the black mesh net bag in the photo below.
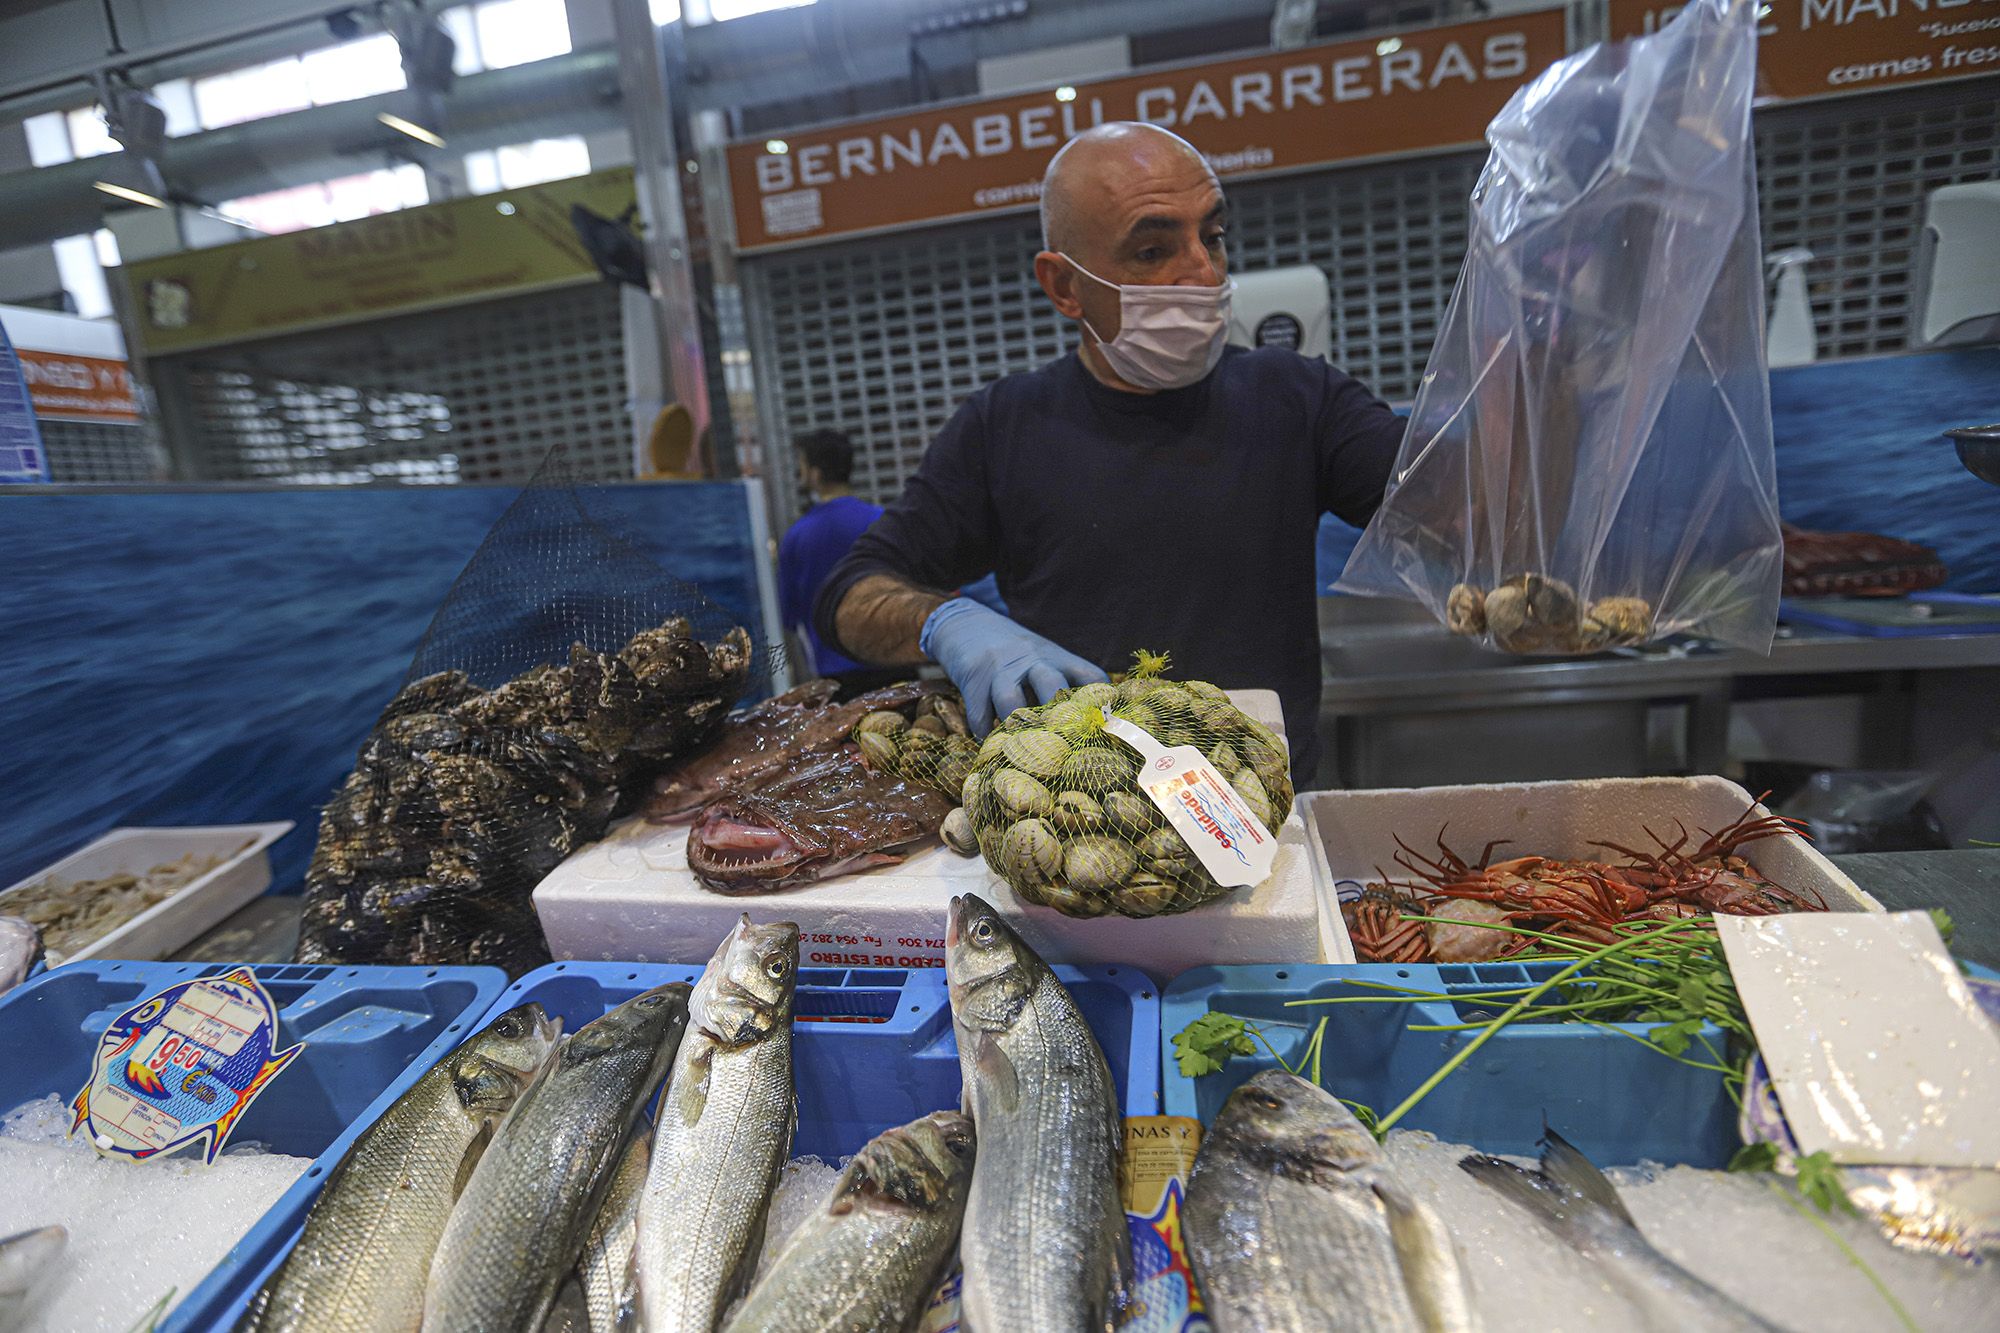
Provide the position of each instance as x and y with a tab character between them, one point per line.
563	671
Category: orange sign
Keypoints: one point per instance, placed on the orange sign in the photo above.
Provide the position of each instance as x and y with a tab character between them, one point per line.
1814	48
78	388
1276	111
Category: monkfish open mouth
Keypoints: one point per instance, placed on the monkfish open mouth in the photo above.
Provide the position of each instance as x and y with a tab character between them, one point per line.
726	844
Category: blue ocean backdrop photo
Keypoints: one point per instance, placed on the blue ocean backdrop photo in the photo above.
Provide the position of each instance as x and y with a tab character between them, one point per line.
215	657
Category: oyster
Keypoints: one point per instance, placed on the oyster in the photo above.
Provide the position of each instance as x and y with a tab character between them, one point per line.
462	798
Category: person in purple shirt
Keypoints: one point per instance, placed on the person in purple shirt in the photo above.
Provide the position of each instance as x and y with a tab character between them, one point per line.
822	537
1154	489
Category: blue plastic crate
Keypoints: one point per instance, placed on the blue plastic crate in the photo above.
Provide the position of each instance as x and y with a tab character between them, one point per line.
1616	1098
370	1032
871	1048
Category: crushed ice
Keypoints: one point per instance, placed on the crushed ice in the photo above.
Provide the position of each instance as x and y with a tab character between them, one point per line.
128	1247
804	1186
1732	1231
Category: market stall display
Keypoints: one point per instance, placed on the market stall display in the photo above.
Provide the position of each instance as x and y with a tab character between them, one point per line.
634	895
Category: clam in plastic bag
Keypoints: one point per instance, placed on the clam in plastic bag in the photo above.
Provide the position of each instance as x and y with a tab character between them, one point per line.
1589	457
1053	802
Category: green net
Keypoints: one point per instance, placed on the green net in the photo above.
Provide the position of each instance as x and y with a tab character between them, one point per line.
1052	801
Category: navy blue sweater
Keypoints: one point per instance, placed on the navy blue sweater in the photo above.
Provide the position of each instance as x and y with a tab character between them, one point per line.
1179	522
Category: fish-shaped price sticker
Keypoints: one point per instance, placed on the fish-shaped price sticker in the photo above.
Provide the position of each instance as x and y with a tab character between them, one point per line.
180	1067
1203	808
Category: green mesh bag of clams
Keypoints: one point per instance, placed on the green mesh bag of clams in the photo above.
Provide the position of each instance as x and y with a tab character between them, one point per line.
1052	800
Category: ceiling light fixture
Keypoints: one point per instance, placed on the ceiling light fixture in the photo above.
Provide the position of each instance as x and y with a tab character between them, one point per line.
132	196
411	128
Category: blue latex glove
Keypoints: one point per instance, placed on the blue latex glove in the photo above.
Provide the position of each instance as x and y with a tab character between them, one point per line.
995	663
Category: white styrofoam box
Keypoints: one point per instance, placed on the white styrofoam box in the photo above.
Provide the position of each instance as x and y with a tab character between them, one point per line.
1350	834
631	897
192	910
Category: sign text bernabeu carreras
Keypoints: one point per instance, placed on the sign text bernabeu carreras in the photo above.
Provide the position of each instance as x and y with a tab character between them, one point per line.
1275	111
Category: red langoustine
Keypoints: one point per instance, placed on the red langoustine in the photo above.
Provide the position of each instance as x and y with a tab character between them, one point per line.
1581	898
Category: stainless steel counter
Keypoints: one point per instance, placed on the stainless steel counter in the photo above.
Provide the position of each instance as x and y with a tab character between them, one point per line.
1406	703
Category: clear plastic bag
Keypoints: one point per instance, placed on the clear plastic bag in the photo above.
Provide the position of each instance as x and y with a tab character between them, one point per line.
1589	457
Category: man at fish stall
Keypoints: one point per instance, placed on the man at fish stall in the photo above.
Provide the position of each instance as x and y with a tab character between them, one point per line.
811	548
1153	489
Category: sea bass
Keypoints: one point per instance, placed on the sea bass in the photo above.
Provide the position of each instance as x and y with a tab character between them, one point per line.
26	1261
763	741
610	1289
521	1222
1572	1198
833	815
1294	1221
870	1259
723	1133
365	1254
1044	1246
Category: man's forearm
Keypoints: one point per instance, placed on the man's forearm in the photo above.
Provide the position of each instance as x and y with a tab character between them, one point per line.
879	619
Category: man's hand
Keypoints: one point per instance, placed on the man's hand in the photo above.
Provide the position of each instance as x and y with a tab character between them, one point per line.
995	663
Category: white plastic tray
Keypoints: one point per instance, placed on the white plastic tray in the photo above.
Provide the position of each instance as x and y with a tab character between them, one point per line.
1351	833
194	909
631	897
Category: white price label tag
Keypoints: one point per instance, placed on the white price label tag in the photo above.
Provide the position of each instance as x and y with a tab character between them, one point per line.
1202	807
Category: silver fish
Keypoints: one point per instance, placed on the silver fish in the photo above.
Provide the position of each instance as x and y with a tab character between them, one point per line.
20	946
365	1254
1572	1198
870	1259
722	1135
26	1261
1295	1221
610	1292
521	1222
1045	1246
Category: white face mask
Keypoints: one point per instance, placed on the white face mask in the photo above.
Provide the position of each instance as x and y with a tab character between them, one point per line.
1168	337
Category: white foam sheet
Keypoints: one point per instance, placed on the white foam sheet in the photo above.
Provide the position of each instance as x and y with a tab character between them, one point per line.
1877	1050
1353	833
631	897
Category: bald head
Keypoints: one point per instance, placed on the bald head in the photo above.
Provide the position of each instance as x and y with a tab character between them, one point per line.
1126	205
1107	160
